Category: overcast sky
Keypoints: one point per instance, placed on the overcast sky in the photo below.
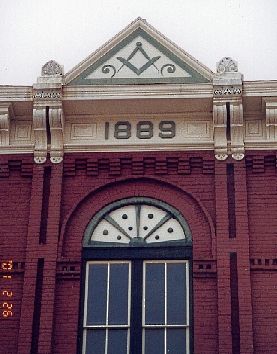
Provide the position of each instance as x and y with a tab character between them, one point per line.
35	31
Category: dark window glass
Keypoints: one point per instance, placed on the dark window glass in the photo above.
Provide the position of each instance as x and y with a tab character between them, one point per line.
176	341
97	295
117	342
154	293
154	341
176	293
95	341
118	294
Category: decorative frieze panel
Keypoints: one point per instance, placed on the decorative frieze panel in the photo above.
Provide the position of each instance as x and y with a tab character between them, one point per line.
83	131
253	129
130	132
22	133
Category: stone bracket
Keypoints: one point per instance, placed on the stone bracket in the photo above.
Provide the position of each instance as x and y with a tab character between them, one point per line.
237	129
228	111
39	124
6	114
220	126
56	122
270	107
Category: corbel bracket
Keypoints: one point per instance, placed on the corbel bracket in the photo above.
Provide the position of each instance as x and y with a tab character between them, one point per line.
56	123
40	132
6	114
237	129
228	111
48	114
270	107
220	125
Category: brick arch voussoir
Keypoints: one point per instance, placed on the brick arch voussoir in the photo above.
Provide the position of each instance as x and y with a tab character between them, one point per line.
196	215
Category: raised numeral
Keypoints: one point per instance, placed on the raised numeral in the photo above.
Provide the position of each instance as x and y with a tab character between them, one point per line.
167	129
145	130
122	130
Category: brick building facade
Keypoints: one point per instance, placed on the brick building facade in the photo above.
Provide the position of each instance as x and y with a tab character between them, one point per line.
140	128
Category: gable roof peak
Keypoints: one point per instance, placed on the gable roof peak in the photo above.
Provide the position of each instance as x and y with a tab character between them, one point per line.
111	63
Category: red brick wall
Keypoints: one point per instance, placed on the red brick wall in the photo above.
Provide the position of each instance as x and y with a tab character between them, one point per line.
191	182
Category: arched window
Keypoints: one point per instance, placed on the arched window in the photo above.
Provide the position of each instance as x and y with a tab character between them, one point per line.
137	296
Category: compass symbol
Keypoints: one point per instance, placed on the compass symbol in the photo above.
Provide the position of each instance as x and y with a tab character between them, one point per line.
138	71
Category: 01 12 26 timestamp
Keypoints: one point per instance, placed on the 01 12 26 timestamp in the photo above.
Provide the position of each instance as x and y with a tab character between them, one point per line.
6	289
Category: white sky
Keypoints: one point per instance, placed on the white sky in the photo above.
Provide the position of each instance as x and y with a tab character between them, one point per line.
35	31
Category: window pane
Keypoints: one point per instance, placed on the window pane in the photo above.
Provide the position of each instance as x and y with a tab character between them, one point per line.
176	293
118	294
95	342
176	341
117	342
97	294
154	293
154	341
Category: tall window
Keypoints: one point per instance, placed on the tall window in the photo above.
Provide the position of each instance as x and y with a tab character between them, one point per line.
137	284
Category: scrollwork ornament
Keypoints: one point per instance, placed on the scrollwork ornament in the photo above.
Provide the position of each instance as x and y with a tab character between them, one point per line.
227	65
170	68
107	68
40	159
221	157
238	156
56	159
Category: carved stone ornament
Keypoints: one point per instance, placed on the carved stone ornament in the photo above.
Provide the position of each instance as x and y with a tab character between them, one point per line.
228	90
227	65
5	116
238	156
56	122
40	159
55	159
40	132
48	95
221	157
52	68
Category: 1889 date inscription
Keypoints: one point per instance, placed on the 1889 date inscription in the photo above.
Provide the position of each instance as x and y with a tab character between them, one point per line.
144	130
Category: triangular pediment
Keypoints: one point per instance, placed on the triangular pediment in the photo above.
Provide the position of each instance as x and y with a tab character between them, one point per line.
139	55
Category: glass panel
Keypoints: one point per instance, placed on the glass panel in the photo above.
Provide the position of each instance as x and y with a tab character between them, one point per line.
117	342
118	294
97	294
154	341
154	293
176	341
95	342
176	293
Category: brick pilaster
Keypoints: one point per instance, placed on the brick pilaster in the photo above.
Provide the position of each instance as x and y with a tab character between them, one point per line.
32	248
223	265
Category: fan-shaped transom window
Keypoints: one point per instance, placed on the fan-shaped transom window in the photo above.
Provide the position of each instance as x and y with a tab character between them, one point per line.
137	299
137	222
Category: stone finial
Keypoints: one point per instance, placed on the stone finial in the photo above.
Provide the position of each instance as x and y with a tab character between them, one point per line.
51	68
227	65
